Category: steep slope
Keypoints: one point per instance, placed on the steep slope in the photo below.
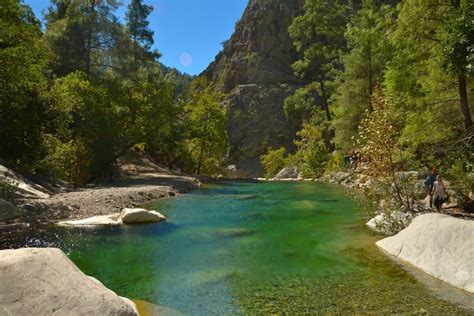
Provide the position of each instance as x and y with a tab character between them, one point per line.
254	69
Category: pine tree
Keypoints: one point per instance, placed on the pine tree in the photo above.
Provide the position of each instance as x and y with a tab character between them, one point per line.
364	66
318	35
82	34
137	27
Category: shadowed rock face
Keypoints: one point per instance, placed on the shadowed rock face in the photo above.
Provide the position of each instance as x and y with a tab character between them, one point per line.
254	69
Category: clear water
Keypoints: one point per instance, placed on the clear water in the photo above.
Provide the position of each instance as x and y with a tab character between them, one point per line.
248	248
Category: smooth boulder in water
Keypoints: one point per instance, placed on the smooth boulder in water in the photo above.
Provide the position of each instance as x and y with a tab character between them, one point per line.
140	215
101	220
43	281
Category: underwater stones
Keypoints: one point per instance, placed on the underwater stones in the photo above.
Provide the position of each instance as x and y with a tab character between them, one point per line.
140	215
145	308
440	245
43	281
233	232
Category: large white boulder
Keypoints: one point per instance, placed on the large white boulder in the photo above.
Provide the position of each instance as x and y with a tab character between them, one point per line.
101	220
21	186
440	245
127	216
140	215
45	282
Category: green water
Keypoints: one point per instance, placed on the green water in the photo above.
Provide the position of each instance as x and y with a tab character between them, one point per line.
248	248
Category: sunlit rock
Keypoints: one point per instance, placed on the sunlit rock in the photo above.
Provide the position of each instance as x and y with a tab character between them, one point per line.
440	245
103	220
43	281
139	215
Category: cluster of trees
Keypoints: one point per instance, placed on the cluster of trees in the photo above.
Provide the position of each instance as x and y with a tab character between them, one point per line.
420	54
86	89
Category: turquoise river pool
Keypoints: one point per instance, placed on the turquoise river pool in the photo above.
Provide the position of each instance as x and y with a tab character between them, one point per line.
249	248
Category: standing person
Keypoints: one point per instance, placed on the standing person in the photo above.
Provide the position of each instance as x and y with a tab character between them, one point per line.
439	192
429	182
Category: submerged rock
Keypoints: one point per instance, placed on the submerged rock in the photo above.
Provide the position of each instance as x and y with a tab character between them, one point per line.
43	281
440	245
140	215
233	232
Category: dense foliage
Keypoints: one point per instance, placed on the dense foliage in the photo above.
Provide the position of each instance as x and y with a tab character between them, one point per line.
419	52
395	83
88	88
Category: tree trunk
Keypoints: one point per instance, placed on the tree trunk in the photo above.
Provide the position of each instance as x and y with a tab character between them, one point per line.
89	39
198	170
325	101
203	143
463	101
371	84
328	134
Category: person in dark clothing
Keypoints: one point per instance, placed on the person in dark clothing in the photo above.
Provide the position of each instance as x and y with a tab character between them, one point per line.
429	182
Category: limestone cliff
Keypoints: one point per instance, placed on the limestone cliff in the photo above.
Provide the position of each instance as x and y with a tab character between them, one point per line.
254	69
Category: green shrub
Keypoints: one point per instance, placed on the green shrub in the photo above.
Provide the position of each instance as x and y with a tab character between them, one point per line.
273	161
335	162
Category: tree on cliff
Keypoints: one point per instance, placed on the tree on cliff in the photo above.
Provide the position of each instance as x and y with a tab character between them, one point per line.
318	35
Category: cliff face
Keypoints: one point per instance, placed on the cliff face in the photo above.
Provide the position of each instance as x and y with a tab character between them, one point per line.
254	69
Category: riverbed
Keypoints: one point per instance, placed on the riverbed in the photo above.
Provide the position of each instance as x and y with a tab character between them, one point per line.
248	248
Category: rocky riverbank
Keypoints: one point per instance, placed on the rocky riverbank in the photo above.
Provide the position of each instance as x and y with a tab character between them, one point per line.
140	181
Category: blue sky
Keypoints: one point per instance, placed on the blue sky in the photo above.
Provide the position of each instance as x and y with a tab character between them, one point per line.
188	33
